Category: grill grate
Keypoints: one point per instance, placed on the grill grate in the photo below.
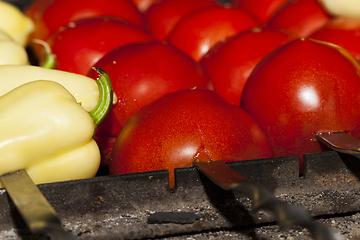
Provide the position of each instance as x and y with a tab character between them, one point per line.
118	207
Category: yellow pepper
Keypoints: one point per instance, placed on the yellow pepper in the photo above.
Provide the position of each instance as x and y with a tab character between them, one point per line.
342	8
11	52
15	23
46	132
84	89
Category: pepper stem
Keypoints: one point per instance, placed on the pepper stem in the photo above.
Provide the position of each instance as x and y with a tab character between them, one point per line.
102	109
50	58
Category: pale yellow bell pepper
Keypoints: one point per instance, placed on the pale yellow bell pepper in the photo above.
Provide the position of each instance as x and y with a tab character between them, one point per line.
84	89
342	8
15	23
11	52
47	133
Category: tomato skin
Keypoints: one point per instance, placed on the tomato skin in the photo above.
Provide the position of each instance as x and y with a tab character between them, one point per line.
262	9
80	45
294	98
144	5
344	32
59	13
196	33
302	17
179	127
229	64
142	72
164	15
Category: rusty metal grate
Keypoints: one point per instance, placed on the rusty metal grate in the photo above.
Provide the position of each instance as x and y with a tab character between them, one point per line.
118	207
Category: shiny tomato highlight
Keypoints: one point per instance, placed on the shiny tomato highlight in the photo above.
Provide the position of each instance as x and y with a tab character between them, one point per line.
303	88
143	5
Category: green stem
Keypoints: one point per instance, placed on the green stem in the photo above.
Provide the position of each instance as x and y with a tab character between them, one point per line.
103	107
50	60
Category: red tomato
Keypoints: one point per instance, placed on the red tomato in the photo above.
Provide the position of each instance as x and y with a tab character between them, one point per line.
59	13
143	5
81	44
164	15
141	73
262	9
344	32
302	17
303	88
196	33
229	64
179	127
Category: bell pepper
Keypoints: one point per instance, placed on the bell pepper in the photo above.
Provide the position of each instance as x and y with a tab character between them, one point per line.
46	132
84	89
11	52
15	23
342	8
